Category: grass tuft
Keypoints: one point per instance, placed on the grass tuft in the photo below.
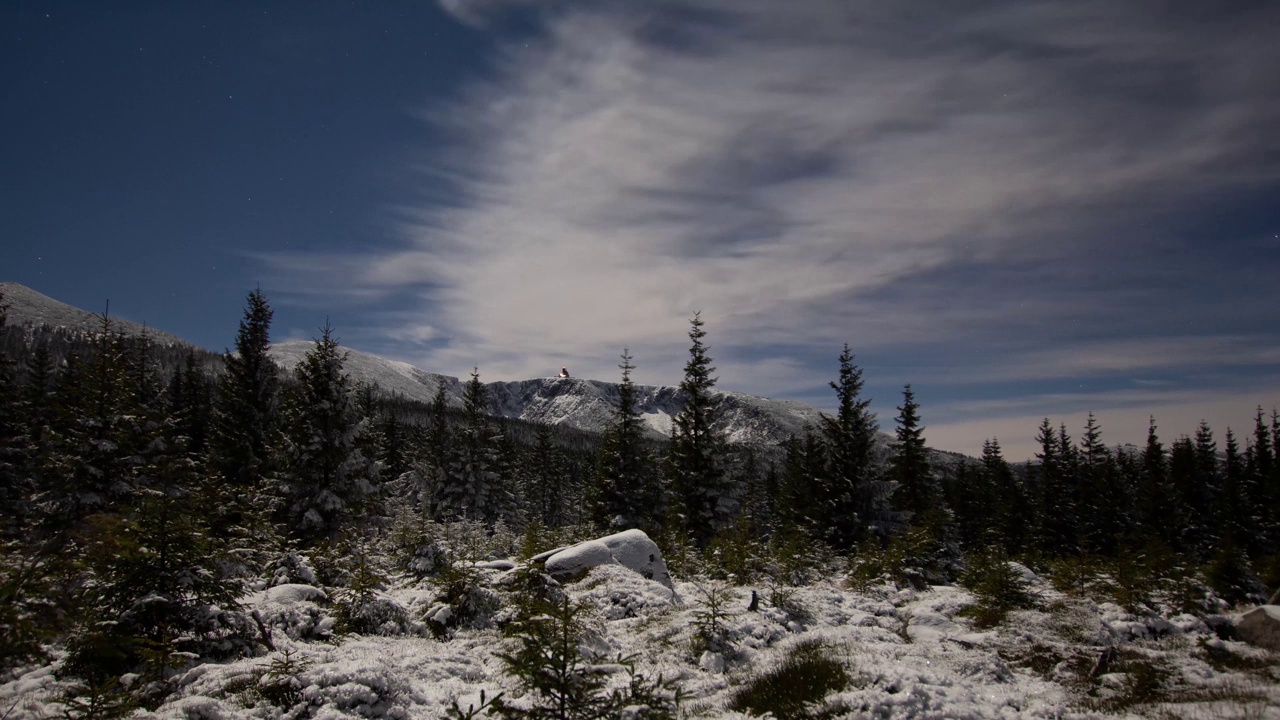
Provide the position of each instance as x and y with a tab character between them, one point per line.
791	690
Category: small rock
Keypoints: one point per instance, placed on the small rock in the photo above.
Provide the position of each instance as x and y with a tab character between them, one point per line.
1221	626
712	662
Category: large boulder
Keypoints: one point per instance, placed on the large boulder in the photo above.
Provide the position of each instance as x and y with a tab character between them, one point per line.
631	549
1261	627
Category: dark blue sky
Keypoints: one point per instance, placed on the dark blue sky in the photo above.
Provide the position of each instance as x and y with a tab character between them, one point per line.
1022	209
152	147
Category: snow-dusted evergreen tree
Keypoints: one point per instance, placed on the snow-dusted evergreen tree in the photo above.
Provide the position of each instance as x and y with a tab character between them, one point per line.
703	489
627	484
248	401
1208	479
428	464
158	589
1264	487
909	461
1103	496
1055	495
1156	503
191	404
96	436
1011	504
853	498
244	435
327	477
473	486
13	461
544	481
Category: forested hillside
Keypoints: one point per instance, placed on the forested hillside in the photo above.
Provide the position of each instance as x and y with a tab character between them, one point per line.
150	489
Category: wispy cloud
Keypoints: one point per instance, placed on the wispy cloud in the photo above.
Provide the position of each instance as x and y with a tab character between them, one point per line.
997	181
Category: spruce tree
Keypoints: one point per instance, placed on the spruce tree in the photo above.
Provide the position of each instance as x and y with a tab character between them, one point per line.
328	479
95	437
545	480
1011	505
1101	496
473	486
802	463
629	494
12	456
1232	515
1055	501
852	500
702	486
425	481
245	421
1264	484
1208	480
909	461
1156	503
244	436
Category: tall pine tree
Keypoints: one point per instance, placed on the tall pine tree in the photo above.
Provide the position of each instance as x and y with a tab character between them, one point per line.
629	494
702	486
909	462
853	500
474	486
328	479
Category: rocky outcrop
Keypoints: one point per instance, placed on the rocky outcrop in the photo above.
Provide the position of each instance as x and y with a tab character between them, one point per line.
631	549
1261	627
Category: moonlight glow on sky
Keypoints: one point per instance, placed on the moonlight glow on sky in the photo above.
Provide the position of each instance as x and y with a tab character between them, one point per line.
1024	209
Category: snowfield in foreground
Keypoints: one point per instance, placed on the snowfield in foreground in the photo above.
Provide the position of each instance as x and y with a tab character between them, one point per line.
908	654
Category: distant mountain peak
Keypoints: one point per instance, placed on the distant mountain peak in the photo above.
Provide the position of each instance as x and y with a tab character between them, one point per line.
579	403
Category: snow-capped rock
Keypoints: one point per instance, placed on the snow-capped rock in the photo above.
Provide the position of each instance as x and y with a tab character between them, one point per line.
631	549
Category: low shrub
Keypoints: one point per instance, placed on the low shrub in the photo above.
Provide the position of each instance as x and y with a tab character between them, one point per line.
793	689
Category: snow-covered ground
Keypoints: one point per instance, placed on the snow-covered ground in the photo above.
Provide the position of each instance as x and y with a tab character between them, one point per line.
908	654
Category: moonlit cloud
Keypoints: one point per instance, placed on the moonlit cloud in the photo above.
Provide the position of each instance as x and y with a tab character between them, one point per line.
979	193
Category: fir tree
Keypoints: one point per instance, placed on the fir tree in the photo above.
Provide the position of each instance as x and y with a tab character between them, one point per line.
1208	479
629	495
94	439
703	489
1055	504
909	461
430	470
12	456
1264	484
1231	512
191	402
248	399
802	463
328	478
1101	498
852	500
244	436
473	486
1012	507
1187	495
1155	495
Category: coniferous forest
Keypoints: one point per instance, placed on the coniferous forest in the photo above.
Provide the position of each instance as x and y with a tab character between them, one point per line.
148	490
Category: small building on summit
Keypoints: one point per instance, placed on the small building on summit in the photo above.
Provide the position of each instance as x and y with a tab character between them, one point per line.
564	372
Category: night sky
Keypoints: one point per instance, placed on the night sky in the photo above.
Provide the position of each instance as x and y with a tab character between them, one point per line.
1024	209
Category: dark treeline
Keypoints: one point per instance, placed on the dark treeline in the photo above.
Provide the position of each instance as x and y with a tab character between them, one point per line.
145	488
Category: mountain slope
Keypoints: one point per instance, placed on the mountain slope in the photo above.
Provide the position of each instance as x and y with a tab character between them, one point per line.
28	307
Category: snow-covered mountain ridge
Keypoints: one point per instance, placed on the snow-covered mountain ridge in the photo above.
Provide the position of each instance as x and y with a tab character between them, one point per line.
28	307
575	402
